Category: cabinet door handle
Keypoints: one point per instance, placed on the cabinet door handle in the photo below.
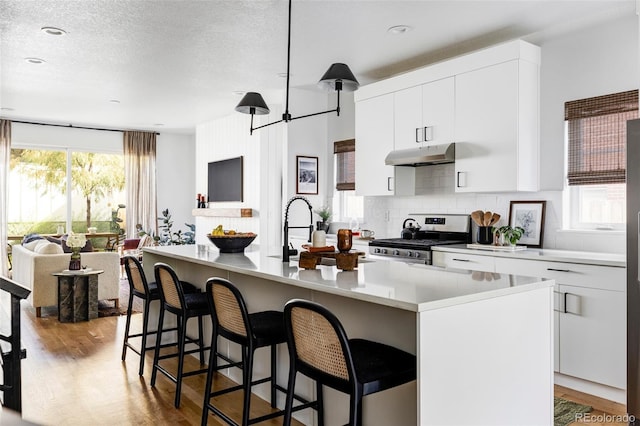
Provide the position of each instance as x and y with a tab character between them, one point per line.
461	260
418	135
559	270
564	302
461	179
390	183
428	133
558	297
577	305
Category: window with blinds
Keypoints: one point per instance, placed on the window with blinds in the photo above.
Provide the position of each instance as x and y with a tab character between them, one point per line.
345	152
597	135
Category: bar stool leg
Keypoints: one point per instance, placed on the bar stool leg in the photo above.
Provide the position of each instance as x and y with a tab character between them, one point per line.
126	328
320	403
247	362
291	386
145	328
201	340
273	376
182	335
207	388
156	354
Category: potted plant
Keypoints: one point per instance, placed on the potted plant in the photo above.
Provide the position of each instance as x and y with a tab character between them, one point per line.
509	235
325	214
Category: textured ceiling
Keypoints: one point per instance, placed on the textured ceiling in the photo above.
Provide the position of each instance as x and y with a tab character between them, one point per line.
178	62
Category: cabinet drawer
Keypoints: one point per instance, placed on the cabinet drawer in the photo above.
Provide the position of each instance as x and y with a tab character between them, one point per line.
592	276
463	261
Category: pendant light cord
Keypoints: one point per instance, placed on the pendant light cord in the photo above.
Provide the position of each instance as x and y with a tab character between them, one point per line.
286	116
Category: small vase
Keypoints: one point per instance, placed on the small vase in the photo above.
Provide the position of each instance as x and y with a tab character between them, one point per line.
74	263
345	239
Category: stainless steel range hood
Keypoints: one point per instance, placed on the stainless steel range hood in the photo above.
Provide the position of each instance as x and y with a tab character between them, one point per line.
425	156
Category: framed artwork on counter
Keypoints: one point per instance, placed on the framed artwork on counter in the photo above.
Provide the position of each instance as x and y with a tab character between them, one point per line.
306	175
529	215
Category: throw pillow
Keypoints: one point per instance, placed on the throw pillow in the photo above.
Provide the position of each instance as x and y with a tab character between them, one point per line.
31	237
31	245
46	247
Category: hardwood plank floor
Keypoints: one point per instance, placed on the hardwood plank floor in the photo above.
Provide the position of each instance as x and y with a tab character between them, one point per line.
73	375
604	412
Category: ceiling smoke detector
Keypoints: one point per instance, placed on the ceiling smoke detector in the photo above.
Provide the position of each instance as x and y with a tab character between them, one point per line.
35	60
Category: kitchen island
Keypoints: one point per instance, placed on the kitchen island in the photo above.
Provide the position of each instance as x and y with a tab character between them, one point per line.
483	344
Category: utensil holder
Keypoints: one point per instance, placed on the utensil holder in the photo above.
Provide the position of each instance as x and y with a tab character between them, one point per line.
485	235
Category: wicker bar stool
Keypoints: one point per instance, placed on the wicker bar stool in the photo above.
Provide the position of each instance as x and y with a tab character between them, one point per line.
148	292
232	321
184	306
319	349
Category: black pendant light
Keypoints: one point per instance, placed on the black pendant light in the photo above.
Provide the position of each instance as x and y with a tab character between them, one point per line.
338	77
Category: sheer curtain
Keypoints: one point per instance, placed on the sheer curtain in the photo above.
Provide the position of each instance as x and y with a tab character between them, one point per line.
140	178
5	155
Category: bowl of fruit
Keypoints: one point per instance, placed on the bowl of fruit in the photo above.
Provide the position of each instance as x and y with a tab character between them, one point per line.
230	241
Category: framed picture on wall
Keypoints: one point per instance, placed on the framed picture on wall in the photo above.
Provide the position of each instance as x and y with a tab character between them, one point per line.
529	215
306	175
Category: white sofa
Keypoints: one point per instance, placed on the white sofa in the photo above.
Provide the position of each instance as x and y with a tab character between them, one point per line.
33	270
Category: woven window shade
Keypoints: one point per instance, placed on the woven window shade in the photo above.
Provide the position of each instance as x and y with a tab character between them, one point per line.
597	132
345	152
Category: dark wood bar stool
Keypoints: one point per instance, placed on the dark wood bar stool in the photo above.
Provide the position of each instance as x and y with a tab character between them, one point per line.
184	306
232	321
148	292
319	349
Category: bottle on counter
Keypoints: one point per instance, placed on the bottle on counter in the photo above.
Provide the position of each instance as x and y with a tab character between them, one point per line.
198	199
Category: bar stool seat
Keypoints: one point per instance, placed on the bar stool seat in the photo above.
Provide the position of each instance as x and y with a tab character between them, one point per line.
320	349
148	292
184	306
232	321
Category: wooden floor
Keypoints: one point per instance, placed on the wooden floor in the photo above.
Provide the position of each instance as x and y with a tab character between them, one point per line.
73	375
604	412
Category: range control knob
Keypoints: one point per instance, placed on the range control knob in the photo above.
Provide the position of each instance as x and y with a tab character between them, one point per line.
383	251
410	254
396	252
377	250
416	254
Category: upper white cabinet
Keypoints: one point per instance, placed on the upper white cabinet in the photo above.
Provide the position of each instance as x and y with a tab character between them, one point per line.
424	115
374	140
496	116
487	102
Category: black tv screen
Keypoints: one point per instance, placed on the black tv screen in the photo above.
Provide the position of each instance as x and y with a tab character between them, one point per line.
225	180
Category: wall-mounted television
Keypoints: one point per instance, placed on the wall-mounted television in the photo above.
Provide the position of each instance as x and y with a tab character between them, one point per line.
225	180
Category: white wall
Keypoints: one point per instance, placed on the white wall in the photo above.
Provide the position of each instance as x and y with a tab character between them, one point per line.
175	180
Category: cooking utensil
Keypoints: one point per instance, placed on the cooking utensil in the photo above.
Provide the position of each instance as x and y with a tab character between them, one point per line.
486	218
477	217
494	219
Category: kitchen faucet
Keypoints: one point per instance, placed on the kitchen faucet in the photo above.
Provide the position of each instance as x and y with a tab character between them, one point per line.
285	247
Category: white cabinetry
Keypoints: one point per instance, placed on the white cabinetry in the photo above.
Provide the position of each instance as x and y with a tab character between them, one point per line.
590	317
374	140
589	311
424	115
496	134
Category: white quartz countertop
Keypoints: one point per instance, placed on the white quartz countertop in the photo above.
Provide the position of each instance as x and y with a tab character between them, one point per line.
570	256
413	287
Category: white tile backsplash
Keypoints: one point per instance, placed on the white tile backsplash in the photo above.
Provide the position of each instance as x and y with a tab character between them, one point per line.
436	195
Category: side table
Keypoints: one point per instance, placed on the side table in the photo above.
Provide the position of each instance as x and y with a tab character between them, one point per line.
77	295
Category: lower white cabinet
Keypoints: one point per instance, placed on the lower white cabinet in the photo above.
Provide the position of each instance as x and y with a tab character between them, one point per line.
592	335
589	312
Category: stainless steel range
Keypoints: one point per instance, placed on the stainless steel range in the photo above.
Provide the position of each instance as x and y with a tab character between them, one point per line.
420	233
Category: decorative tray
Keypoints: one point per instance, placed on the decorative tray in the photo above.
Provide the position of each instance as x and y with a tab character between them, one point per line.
496	248
77	271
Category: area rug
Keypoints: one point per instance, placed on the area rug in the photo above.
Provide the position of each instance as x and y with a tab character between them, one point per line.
566	412
106	308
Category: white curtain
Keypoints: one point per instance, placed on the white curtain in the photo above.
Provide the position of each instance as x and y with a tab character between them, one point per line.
140	178
5	155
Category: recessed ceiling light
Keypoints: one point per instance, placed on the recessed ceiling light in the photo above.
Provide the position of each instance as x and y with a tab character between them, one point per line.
283	74
239	92
114	101
53	31
7	109
35	60
159	124
399	29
